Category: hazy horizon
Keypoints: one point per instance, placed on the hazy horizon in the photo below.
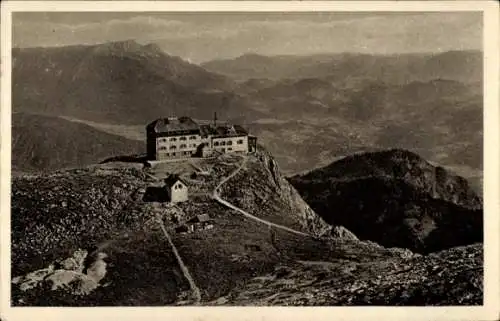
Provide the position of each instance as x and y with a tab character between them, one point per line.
200	37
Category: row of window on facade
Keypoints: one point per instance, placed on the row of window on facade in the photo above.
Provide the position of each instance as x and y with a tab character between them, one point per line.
174	139
179	153
223	143
175	147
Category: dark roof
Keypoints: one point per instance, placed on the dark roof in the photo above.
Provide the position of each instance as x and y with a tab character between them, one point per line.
172	179
223	131
200	218
173	124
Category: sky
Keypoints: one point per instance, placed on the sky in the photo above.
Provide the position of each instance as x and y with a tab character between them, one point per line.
199	37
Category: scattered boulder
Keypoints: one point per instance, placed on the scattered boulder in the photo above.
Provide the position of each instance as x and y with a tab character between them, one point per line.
76	262
68	275
33	279
77	283
97	270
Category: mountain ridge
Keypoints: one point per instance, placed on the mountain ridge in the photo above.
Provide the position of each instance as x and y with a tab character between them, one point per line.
395	197
109	81
404	66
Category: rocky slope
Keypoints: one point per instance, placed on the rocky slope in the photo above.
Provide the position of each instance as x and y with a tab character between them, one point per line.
395	198
105	208
261	189
108	212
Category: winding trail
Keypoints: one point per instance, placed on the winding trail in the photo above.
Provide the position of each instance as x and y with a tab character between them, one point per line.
217	197
194	289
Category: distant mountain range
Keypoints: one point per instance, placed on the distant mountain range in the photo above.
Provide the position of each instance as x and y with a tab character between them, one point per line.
464	66
439	119
307	110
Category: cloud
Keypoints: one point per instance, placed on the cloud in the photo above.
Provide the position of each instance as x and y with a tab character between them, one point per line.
207	36
386	34
46	33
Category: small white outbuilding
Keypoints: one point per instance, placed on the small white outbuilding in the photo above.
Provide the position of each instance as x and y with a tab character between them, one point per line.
176	188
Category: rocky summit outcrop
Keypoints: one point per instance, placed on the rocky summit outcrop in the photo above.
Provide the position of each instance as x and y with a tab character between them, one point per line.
340	232
261	189
397	199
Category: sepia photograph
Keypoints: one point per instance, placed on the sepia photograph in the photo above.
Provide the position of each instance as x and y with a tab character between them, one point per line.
313	158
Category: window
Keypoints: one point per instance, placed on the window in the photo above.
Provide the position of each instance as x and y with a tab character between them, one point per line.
173	139
223	143
173	147
192	137
230	142
229	148
162	147
182	138
240	141
194	145
183	146
173	154
216	144
178	186
167	154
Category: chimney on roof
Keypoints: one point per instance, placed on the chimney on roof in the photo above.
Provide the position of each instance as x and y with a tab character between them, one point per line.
215	119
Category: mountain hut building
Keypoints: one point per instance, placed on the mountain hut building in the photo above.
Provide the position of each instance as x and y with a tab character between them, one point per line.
175	138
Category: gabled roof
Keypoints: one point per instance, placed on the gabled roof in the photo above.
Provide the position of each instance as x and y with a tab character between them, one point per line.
172	179
173	124
200	218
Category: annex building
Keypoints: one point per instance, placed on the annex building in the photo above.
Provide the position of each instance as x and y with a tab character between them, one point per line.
182	137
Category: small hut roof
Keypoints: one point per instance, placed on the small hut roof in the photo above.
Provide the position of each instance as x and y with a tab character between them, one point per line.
200	218
172	179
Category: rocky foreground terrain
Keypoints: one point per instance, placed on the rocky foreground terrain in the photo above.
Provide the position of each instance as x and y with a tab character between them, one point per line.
93	236
451	277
